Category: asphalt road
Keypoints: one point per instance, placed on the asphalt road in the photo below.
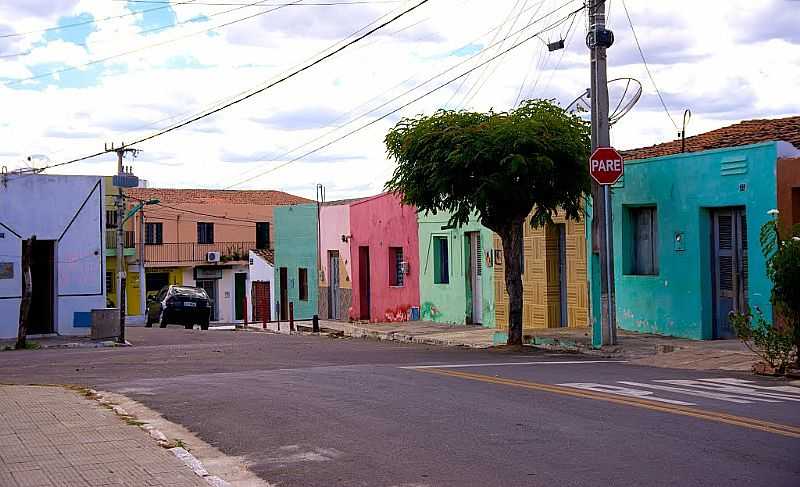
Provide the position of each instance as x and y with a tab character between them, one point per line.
314	411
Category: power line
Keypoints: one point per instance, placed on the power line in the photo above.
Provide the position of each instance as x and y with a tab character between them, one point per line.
150	46
92	21
200	213
310	4
282	79
216	104
646	67
429	92
478	55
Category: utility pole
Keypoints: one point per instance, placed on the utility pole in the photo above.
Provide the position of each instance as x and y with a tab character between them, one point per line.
122	180
142	275
598	40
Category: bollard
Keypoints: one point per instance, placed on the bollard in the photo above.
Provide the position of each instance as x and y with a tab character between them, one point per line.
315	324
291	316
264	311
244	310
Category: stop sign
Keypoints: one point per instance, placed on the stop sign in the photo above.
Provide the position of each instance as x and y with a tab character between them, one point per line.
606	165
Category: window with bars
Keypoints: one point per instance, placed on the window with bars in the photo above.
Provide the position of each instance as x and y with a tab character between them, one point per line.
205	233
110	282
111	218
153	233
396	266
302	284
441	263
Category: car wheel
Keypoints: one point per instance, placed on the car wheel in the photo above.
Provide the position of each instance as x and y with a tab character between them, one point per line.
188	326
162	321
148	323
204	325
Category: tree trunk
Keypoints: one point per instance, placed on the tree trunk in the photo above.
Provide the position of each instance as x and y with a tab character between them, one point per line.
511	235
27	290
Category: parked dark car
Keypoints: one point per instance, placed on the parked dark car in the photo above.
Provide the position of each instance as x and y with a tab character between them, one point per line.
184	305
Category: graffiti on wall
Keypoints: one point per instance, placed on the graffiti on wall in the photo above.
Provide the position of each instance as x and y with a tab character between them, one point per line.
429	311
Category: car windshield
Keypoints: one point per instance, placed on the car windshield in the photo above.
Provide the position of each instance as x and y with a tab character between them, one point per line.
194	292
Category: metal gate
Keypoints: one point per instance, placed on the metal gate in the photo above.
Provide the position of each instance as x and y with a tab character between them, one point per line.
729	267
261	295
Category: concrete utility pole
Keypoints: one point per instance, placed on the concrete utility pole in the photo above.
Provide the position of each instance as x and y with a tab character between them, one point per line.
120	182
142	274
598	40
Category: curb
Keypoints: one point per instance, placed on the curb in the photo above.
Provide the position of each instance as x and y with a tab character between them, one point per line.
357	332
180	453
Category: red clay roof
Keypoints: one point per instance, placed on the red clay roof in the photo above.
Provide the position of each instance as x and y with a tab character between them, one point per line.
210	196
743	133
265	254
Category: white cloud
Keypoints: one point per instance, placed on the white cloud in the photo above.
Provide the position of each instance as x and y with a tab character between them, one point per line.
696	54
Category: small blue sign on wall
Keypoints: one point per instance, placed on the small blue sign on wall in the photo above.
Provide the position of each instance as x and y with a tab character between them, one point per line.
82	319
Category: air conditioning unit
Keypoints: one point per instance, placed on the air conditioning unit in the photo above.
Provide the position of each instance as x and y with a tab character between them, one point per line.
405	268
213	256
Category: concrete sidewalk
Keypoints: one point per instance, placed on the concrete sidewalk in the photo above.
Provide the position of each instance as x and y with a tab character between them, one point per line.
51	436
639	348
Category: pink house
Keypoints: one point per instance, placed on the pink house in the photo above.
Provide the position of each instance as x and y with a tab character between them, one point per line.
384	250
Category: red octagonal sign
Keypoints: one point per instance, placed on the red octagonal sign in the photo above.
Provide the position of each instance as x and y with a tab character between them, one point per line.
606	165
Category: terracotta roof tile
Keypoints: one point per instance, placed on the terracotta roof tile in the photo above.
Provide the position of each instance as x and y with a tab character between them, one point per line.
211	196
743	133
265	254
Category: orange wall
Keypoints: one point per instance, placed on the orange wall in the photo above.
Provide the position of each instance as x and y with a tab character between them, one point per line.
788	179
181	227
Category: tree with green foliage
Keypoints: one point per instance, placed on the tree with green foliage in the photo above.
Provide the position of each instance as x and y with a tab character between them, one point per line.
503	165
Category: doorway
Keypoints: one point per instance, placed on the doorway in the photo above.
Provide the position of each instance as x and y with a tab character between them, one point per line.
363	279
284	299
239	293
261	293
155	281
42	306
210	287
333	285
729	267
475	271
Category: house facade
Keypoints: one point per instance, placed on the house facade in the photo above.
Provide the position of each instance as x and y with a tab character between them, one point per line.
335	276
384	249
203	238
296	254
134	304
686	233
261	286
456	275
66	214
554	278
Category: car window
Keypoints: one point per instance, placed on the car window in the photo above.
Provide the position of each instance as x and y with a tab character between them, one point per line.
194	292
162	294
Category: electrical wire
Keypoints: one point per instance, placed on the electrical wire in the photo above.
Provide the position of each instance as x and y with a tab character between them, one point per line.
646	67
282	79
92	21
215	105
200	213
313	4
416	87
150	46
376	120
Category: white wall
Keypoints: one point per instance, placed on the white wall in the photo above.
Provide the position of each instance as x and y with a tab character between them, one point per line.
69	210
260	270
226	291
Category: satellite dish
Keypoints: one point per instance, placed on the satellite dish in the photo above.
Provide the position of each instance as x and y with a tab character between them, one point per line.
623	93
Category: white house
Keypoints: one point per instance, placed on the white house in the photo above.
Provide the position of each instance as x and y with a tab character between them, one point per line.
65	213
261	285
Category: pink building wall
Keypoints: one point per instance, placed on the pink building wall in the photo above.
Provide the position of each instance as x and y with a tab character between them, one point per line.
379	223
335	222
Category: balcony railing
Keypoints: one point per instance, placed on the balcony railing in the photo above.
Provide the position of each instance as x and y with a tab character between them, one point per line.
188	252
111	239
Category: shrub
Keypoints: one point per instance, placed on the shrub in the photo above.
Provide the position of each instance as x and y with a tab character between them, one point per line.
773	344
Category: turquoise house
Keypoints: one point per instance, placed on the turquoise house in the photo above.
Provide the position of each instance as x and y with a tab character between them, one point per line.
456	279
296	242
686	228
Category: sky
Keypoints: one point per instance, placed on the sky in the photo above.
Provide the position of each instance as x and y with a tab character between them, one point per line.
77	74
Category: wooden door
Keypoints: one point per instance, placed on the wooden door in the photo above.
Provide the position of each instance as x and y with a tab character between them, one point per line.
729	268
284	299
364	284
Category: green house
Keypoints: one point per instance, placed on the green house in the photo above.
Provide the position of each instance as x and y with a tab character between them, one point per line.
456	278
296	243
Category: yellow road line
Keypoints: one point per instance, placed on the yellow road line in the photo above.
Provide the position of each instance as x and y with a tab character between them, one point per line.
745	422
